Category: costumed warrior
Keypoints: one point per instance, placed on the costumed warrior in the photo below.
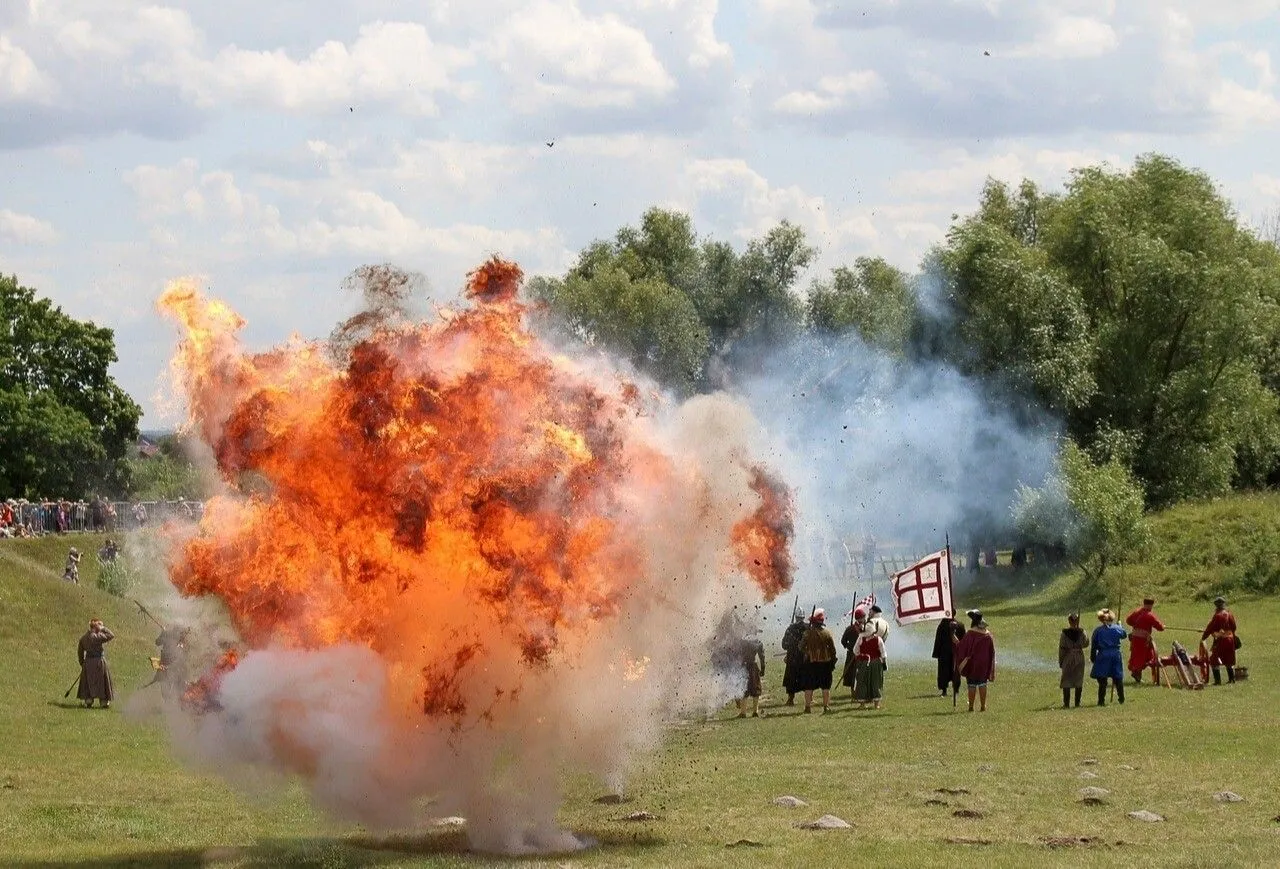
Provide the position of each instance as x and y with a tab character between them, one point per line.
1222	627
1142	652
793	668
1105	654
752	655
1071	646
95	676
819	660
878	622
170	666
944	650
976	659
869	653
849	639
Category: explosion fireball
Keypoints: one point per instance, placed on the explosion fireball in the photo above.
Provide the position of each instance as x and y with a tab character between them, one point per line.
459	562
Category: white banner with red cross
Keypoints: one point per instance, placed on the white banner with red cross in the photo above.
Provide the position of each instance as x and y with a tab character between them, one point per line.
922	592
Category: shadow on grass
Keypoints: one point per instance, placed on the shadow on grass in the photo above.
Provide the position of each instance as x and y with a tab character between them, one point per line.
71	704
332	853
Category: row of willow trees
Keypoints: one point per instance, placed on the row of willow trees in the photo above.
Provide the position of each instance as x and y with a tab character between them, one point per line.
1134	306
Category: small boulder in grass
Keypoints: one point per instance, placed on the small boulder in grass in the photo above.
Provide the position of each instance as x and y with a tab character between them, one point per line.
452	821
826	822
1144	815
1094	794
1228	797
641	816
1087	774
789	802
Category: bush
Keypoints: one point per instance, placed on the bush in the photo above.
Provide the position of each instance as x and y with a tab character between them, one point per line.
115	578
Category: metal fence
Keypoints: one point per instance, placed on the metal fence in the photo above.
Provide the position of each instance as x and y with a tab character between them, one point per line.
61	517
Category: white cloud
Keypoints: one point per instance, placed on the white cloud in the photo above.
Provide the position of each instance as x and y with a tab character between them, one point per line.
19	78
833	92
551	53
1070	36
396	63
25	229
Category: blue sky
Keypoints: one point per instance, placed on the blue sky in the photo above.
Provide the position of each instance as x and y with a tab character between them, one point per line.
270	149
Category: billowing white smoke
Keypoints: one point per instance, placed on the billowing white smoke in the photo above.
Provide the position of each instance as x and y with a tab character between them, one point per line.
882	449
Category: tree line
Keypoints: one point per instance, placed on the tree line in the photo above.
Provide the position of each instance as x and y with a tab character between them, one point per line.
1133	305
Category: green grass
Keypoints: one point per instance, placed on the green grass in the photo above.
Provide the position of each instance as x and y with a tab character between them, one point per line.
92	788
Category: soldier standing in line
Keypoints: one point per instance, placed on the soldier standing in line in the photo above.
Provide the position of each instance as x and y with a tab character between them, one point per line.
793	670
751	652
819	661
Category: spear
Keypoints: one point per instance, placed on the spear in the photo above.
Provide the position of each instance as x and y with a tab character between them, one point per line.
72	688
148	614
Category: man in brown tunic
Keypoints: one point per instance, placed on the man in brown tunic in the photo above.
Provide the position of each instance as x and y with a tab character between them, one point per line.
751	651
95	677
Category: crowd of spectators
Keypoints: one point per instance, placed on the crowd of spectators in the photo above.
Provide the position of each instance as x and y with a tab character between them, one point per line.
22	518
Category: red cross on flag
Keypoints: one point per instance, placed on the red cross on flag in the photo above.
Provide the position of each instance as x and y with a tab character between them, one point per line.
922	592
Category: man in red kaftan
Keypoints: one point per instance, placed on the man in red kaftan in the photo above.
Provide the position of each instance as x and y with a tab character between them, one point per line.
1222	628
1142	653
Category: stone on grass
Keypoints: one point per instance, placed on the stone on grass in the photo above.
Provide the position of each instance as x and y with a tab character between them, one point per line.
641	816
1089	761
452	821
967	813
1094	793
952	791
1087	774
745	843
1126	766
1144	815
826	822
1228	797
789	802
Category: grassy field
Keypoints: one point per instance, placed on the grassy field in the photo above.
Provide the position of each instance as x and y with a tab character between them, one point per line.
91	788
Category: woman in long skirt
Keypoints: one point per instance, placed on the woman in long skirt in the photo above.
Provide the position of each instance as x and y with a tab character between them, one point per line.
869	654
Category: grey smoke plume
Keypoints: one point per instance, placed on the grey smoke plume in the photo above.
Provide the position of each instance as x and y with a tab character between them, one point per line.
888	452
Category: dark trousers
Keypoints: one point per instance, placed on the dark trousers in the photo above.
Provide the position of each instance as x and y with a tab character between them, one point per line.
947	675
1217	675
1066	696
1102	690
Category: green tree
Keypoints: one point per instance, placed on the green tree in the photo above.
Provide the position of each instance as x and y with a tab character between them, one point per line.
1094	508
169	474
872	298
1137	303
66	427
667	301
643	319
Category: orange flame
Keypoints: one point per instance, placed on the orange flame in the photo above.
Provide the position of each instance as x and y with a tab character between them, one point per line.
449	494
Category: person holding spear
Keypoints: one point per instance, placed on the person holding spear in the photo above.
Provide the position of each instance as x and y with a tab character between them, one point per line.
95	675
793	668
1105	653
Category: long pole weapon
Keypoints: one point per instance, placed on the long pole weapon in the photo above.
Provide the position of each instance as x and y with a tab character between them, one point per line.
148	614
72	688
